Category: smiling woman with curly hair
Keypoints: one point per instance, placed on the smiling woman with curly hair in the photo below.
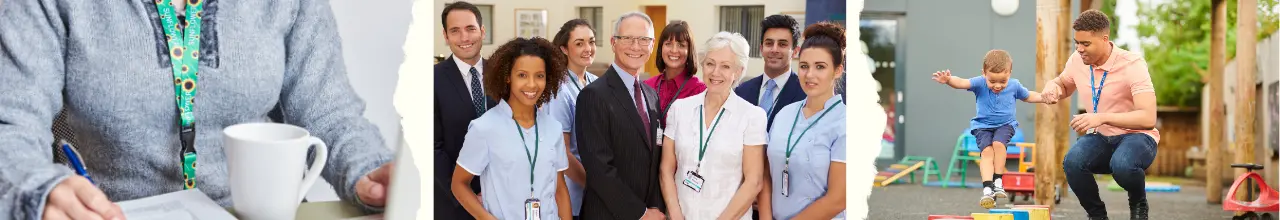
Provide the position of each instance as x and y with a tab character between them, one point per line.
524	74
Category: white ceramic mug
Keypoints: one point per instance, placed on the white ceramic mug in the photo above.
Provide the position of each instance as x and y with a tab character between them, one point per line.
266	163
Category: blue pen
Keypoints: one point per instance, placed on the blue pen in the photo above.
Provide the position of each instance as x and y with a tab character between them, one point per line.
74	158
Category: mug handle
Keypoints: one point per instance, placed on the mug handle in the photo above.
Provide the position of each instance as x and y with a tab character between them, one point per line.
322	158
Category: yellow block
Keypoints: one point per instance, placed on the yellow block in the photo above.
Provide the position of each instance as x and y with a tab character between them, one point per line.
992	216
1036	213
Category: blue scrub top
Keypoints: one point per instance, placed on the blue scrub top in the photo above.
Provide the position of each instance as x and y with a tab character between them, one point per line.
562	109
493	151
810	160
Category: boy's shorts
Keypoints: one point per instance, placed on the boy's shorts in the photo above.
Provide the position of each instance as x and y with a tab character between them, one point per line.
986	136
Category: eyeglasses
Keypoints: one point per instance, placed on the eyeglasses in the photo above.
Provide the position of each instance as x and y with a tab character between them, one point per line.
626	40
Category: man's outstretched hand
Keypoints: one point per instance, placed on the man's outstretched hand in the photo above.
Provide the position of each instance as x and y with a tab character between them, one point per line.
1049	97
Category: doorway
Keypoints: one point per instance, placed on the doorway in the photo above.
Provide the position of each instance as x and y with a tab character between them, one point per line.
659	15
881	33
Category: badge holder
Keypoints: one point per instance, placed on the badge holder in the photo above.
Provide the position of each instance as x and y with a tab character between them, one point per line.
658	138
786	179
532	208
693	181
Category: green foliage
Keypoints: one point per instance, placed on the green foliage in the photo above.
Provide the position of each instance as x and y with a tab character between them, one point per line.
1180	53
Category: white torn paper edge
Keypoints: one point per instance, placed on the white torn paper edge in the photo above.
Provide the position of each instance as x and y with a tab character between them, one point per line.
181	205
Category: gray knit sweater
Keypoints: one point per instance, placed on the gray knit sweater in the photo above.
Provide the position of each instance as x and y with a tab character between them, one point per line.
104	62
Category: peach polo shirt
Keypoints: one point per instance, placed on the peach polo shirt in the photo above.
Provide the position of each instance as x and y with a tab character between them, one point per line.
1127	76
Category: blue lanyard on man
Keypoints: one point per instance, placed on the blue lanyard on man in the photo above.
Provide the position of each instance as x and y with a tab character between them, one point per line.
1096	92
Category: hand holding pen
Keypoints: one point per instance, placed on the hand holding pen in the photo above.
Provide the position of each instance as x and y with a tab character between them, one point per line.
73	157
76	197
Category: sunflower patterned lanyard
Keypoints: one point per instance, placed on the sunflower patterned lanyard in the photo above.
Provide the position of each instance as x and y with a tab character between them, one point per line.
184	51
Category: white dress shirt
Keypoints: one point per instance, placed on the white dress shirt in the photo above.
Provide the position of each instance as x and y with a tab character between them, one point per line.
465	69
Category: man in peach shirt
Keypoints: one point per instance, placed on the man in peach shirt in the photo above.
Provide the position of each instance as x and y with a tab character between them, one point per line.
1119	124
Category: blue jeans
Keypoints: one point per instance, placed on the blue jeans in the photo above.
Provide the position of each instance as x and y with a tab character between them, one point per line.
1125	156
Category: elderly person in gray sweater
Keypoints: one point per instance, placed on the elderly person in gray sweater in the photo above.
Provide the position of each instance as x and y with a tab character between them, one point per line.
109	66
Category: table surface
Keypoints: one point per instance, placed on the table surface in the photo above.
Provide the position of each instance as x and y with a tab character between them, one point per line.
324	210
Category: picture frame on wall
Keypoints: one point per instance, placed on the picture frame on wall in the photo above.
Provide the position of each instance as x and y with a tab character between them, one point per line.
531	22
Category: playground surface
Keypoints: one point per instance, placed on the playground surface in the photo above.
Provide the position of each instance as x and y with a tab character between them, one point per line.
913	201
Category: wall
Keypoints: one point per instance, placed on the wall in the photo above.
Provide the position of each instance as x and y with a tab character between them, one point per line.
955	35
372	36
703	24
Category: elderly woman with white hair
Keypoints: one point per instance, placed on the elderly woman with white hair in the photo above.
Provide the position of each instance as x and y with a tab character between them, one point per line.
713	153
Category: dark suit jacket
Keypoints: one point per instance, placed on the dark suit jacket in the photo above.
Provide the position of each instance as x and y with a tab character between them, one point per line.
453	113
791	92
620	154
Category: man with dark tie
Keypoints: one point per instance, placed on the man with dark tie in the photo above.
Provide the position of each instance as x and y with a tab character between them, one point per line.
778	86
459	98
619	140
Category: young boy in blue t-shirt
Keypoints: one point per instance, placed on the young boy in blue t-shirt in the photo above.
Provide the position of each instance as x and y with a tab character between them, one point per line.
995	123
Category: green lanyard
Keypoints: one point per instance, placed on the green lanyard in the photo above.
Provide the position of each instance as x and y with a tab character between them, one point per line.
533	157
702	145
790	146
677	95
183	52
574	79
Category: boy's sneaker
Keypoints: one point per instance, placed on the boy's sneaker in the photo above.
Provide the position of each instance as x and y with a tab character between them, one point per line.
998	189
988	199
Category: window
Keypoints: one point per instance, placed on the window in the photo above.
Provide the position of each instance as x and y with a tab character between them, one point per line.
594	16
486	14
744	20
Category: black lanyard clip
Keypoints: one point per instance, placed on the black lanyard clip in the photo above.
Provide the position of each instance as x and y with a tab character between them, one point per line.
188	136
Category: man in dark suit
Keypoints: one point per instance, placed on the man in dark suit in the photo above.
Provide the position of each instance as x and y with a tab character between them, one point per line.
618	120
459	98
778	86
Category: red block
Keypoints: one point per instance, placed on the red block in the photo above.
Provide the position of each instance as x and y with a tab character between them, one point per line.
1019	182
950	217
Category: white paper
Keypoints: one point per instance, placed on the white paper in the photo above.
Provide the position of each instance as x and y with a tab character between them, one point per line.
182	205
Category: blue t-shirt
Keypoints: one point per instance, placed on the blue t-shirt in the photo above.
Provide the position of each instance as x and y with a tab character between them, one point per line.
996	109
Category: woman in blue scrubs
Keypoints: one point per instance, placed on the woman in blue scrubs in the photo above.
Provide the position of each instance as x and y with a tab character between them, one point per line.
577	41
806	148
518	150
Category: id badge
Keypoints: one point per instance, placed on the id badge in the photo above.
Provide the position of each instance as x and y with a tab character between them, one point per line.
786	181
658	138
532	209
693	181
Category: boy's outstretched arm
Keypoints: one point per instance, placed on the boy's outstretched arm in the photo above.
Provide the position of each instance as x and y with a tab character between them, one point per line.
945	77
1035	97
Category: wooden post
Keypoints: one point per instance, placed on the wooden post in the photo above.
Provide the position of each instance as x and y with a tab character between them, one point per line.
1246	68
1049	37
1217	113
1063	127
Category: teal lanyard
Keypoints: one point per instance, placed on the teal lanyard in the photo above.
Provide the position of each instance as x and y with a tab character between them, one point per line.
574	79
792	147
533	157
702	145
184	51
675	96
1097	91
